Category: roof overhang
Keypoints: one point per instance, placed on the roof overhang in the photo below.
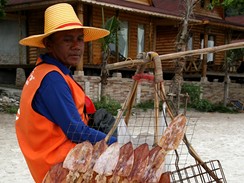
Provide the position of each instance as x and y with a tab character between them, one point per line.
125	6
135	10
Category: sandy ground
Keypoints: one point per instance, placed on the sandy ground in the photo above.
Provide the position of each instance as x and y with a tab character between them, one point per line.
215	136
221	136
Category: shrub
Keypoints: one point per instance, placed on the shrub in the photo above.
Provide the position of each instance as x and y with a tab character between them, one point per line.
221	108
194	91
109	104
203	105
11	109
149	104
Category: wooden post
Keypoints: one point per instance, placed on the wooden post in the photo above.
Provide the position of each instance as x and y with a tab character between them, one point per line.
79	9
204	64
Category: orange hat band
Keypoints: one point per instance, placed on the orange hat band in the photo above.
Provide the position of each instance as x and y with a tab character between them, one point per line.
69	24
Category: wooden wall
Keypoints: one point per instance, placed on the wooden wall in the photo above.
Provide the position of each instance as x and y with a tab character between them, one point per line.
220	36
133	21
35	25
165	43
166	37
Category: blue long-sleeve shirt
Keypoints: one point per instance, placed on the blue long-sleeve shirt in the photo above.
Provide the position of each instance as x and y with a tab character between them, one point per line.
54	100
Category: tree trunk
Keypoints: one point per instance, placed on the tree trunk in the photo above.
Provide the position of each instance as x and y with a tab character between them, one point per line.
227	79
181	45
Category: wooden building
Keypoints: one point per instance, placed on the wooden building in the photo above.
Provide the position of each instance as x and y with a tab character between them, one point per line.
146	25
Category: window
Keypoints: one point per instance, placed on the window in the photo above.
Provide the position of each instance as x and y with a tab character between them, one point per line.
122	40
140	38
210	45
190	42
211	42
202	3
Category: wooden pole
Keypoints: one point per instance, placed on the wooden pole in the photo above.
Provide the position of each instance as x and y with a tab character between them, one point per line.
204	64
177	55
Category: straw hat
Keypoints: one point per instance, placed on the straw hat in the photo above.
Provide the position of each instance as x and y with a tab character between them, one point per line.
61	17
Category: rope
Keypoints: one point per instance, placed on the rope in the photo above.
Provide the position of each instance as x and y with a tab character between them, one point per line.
130	59
147	77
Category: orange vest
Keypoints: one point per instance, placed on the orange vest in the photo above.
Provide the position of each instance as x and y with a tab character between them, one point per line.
42	142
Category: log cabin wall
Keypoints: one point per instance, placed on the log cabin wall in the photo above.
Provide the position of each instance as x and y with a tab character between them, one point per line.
133	21
35	25
165	43
166	37
96	55
219	35
220	38
87	18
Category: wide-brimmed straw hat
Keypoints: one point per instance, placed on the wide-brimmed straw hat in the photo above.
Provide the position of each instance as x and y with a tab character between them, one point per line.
61	17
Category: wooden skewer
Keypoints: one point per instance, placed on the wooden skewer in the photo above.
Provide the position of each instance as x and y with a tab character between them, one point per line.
156	114
199	160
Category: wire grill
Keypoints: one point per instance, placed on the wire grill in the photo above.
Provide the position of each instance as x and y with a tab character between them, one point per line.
141	129
197	174
179	162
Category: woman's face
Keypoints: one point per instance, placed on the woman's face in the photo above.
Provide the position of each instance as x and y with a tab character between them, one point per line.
66	46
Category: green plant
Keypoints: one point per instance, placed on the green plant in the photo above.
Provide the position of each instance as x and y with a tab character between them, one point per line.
203	105
194	91
109	104
149	104
11	109
112	25
223	109
234	56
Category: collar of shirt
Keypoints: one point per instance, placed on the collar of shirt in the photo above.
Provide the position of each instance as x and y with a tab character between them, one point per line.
50	60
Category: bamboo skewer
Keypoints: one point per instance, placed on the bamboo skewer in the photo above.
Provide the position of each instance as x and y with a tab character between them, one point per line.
156	113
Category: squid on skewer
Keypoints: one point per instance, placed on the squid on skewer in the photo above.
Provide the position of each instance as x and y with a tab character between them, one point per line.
114	164
78	160
106	163
125	163
98	149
